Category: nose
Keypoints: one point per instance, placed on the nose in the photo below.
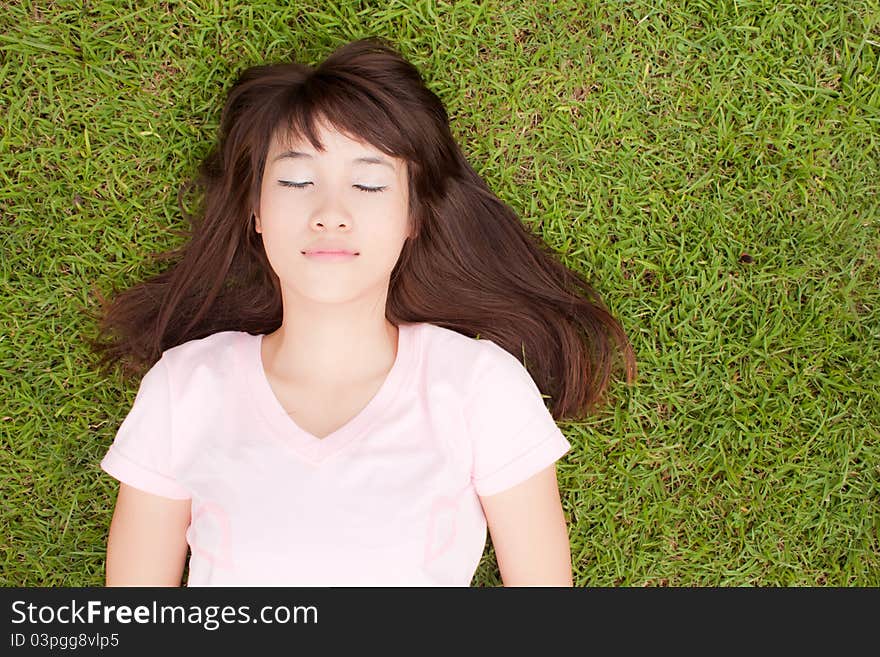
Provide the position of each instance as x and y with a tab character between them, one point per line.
332	213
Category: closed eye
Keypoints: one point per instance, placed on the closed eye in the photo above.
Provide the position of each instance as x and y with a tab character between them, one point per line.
363	188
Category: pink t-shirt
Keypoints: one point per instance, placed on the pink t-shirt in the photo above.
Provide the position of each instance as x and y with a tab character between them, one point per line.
389	499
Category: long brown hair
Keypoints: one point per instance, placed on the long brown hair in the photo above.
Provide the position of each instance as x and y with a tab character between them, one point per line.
470	264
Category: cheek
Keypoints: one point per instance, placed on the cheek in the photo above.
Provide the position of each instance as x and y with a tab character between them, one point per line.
270	204
279	216
388	228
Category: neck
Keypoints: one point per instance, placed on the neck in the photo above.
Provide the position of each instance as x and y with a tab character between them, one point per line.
330	345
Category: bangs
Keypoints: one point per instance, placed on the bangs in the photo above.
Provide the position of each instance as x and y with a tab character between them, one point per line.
346	107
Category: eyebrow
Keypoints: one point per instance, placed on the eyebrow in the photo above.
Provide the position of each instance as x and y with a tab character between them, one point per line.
358	160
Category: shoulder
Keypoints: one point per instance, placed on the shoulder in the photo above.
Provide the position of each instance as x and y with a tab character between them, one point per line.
209	345
457	349
213	355
471	361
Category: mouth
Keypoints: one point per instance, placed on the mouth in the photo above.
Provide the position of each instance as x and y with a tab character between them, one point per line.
330	252
330	256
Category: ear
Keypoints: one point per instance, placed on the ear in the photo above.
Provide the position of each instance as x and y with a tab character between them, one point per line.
257	225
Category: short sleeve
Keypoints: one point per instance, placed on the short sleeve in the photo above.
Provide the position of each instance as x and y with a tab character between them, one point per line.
141	453
513	434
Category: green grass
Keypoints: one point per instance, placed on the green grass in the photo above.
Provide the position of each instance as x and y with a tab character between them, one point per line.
651	144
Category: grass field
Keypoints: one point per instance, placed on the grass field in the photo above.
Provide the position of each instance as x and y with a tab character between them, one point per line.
712	167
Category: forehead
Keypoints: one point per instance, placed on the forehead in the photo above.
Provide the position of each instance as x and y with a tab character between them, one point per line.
331	139
286	147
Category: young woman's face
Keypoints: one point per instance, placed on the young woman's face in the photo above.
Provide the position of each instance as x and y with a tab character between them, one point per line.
332	208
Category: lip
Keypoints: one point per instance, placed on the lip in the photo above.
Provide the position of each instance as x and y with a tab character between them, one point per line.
331	256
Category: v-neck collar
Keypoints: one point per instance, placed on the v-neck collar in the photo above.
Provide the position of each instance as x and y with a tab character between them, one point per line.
305	444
